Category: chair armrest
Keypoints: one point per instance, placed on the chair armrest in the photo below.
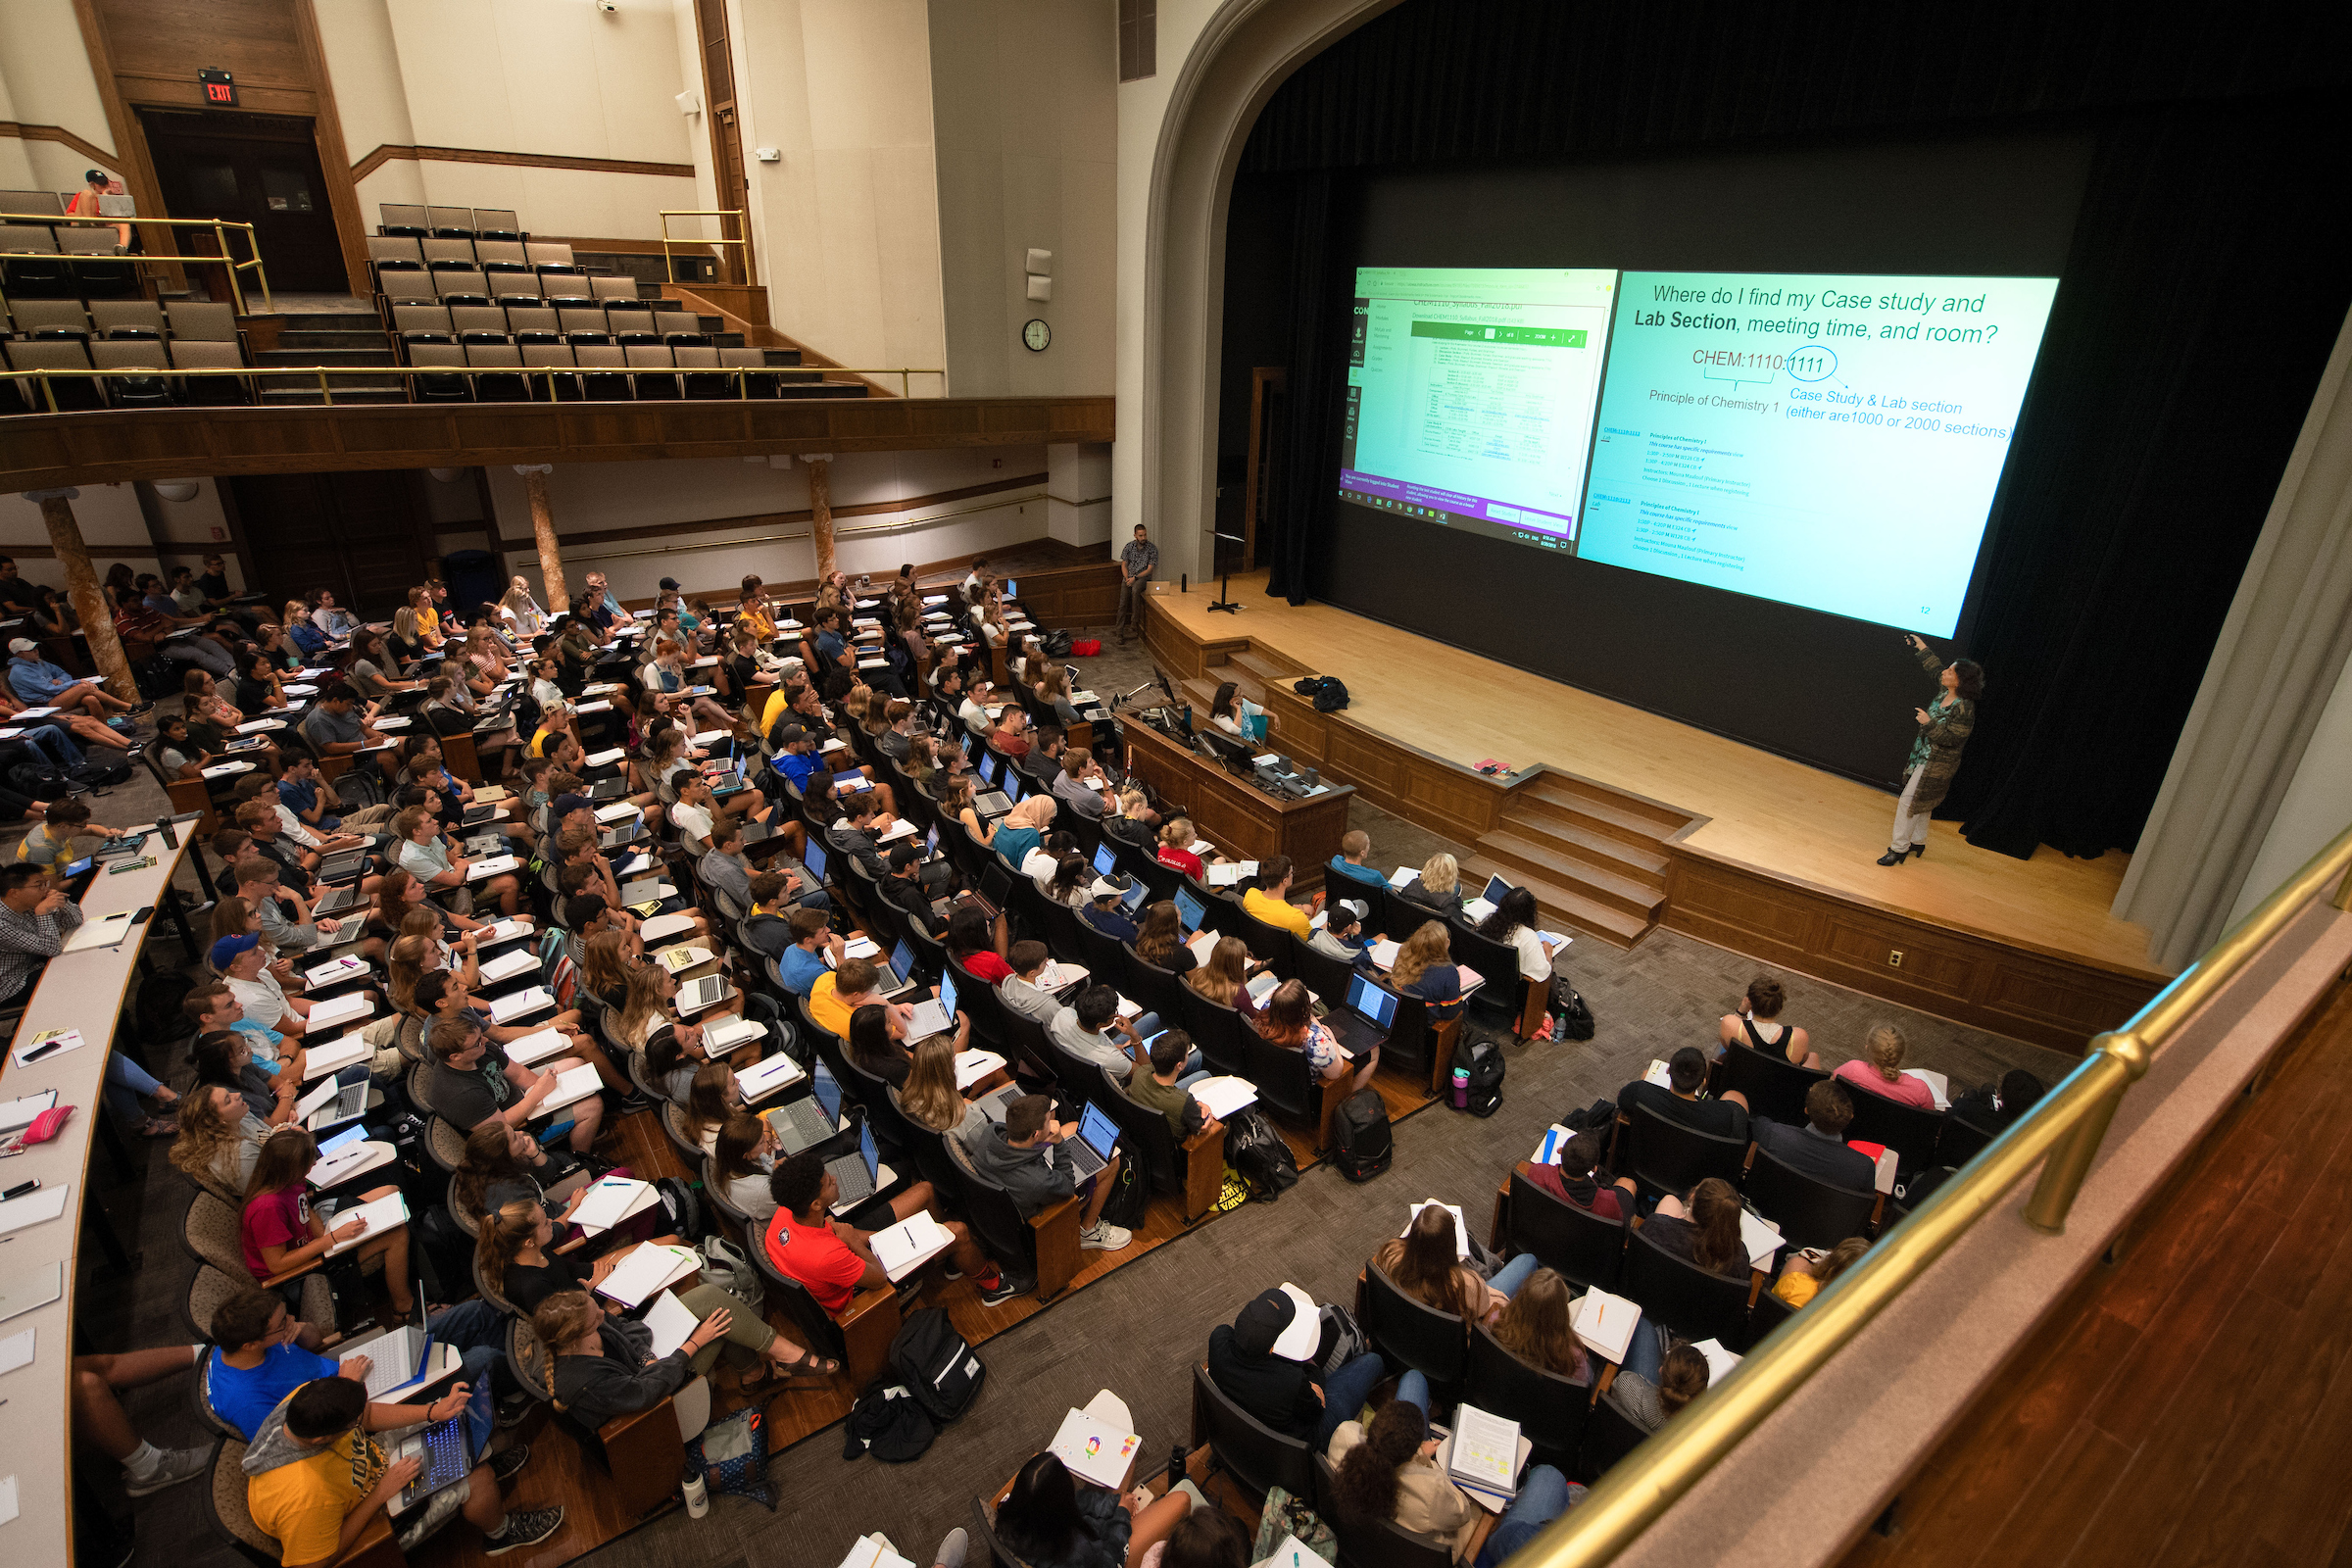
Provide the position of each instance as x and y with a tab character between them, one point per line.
1442	1040
377	1547
866	1330
1479	1532
283	1275
1329	1092
1203	1172
644	1452
1536	1000
1757	1279
1503	1205
1055	1233
1600	1385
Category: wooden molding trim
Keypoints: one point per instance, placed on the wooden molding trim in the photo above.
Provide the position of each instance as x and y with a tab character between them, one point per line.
57	133
480	155
326	127
772	519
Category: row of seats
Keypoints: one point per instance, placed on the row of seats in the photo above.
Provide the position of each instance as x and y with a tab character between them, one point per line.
32	204
65	262
76	394
391	251
646	372
396	284
554	321
122	320
448	222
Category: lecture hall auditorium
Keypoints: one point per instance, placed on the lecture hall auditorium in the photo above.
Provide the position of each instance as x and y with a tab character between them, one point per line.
1179	783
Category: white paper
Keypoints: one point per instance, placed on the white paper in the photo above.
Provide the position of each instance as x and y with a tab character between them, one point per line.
8	1499
1762	1239
15	1350
225	769
680	960
388	1212
666	925
1462	1231
1402	878
515	1005
35	1287
607	1203
1485	1451
1383	952
1204	942
1222	1097
316	1099
723	1035
494	865
333	1056
908	1245
973	1066
537	1047
1295	1553
600	759
34	1207
506	965
763	1078
339	1009
20	1113
1095	1453
572	1084
1721	1363
1605	1323
1937	1085
1658	1074
669	1321
618	811
340	969
106	932
646	1271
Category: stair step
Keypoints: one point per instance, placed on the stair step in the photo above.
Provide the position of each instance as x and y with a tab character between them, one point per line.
366	336
1545	861
1612	814
1645	865
1270	668
356	320
1565	906
303	358
1666	821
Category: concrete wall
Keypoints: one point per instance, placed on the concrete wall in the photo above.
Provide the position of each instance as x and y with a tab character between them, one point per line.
1078	492
46	79
1025	98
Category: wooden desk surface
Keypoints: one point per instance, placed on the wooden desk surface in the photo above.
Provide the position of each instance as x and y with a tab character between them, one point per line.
1241	819
83	991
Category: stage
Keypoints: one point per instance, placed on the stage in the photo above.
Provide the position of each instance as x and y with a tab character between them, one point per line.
1622	820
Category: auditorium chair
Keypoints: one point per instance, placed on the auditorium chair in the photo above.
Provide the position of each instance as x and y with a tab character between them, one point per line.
1413	1336
506	257
1220	1034
51	319
1103	954
613	288
201	318
1190	1170
495	388
448	255
1912	1133
655	375
496	224
608	383
1156	990
68	393
438	388
1269	944
550	255
707	383
450	222
890	1124
32	204
1252	1455
1079	1078
562	388
1809	1211
1400	917
1959	1142
394	250
1373	1542
402	218
1586	1251
97	272
1666	1156
127	318
1608	1438
1774	1086
44	274
1768	1313
641	1453
1505	992
1043	1247
406	287
1684	1298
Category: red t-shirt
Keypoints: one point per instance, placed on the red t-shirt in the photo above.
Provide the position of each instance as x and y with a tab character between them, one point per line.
986	968
1184	860
817	1258
275	1219
1604	1202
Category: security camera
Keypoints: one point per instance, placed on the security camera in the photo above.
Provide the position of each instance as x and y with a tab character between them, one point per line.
608	6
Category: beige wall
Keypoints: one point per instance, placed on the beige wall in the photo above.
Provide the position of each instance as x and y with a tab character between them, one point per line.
555	77
114	529
46	79
1025	97
847	221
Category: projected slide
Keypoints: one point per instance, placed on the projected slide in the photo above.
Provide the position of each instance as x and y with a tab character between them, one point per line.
1471	393
1826	441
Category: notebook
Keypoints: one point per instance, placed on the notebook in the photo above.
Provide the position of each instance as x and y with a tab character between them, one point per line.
572	1084
387	1212
537	1047
911	1244
1605	1323
723	1035
973	1066
646	1271
516	1004
333	1056
764	1077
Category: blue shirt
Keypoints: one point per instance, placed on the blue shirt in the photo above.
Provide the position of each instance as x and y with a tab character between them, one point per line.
307	637
1339	866
1015	843
795	766
36	680
800	968
830	647
298	796
244	1399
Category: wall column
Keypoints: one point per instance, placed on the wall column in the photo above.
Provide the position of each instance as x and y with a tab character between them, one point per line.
543	529
820	512
81	586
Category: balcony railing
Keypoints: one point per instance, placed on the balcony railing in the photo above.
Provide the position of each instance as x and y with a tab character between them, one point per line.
542	383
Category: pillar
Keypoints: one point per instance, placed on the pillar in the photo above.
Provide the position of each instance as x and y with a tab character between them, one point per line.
820	512
81	587
543	529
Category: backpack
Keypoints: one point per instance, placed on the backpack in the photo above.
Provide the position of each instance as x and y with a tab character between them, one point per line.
725	1266
1254	1150
39	781
1058	645
1485	1066
1576	1018
1129	1198
940	1371
688	1221
1361	1145
102	772
888	1423
1326	692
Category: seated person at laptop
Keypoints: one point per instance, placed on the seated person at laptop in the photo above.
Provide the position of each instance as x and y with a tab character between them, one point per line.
64	835
467	1088
741	1159
904	889
1020	991
1725	1116
423	764
1162	1083
698	811
1014	1153
1267	900
605	1366
262	1353
1356	847
1011	736
1425	968
1289	1022
878	1042
723	867
855	832
426	855
314	1480
974	943
1161	942
973	711
802	961
835	1257
1342	934
1092	1030
1107	906
840	993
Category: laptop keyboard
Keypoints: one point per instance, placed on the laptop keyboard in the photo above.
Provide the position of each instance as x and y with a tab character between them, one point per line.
804	1119
855	1185
444	1457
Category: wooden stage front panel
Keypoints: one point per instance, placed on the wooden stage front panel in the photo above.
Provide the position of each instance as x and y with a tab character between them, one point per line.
1777	857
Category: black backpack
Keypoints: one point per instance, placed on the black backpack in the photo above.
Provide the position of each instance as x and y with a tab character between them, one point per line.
1484	1065
1130	1198
101	772
1058	644
39	781
1257	1153
1361	1145
1326	692
887	1422
1575	1015
937	1368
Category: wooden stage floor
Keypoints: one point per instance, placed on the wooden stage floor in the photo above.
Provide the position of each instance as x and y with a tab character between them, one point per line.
1783	818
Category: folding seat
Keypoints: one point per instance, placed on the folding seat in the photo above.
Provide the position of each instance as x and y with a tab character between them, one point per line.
609	358
631	328
127	318
43	275
613	288
512	294
402	220
213	323
439	388
681	326
496	224
407	319
98	272
759	381
649	358
71	394
134	392
209	354
398	285
450	222
51	319
466	318
550	255
449	256
494	357
713	385
572	320
564	388
567	293
31	202
503	256
467	285
394	249
532	318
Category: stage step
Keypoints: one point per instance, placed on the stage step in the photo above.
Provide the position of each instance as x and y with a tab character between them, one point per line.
1640	863
1269	669
1603	810
1526	856
1563	905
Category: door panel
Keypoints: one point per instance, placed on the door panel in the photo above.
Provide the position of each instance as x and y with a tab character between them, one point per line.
260	170
358	534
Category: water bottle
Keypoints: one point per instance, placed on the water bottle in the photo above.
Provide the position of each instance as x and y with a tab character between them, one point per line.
698	1492
1461	1089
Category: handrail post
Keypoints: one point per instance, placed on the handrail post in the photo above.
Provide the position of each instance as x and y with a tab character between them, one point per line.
327	393
228	264
2069	1161
49	392
2343	892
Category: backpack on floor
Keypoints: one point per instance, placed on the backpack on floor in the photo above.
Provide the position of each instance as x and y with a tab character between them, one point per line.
1058	644
1576	1018
887	1422
940	1371
1361	1145
39	781
1484	1065
725	1265
102	772
1129	1198
1254	1150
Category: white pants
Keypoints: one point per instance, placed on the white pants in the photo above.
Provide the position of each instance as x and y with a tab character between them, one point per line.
1910	827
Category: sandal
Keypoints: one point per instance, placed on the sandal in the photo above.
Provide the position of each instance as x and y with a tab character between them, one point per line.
159	1127
811	1365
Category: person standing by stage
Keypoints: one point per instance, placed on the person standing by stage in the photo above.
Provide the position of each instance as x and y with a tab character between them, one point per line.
1944	725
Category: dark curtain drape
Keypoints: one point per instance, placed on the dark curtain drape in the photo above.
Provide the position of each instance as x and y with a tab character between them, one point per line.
2210	270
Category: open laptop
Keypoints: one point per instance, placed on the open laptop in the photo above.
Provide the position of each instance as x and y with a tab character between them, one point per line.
1012	785
807	1122
860	1173
400	1358
641	891
899	974
332	1104
1372	1002
933	1014
815	862
991	801
1189	912
1107	859
1090	1151
626	833
708	991
609	788
444	1449
343	895
342	866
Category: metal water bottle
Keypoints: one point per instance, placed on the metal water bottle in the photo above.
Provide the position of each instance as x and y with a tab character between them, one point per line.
1461	1089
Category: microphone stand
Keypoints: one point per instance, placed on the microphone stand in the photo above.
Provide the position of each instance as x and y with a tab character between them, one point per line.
1224	600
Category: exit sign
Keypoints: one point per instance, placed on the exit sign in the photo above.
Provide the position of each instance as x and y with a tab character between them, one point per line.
220	88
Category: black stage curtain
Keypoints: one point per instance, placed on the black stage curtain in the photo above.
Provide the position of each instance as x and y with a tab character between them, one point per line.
2210	272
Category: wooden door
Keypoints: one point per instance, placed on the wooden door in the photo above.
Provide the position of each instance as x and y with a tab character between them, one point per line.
260	170
362	535
735	265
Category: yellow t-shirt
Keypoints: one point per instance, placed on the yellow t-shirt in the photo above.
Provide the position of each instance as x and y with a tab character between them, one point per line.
303	1504
826	1006
428	622
1277	911
1796	1288
539	742
778	702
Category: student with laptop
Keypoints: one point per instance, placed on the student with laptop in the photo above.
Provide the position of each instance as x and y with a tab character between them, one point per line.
1341	935
1019	1154
262	1353
425	856
1092	1030
906	890
835	1257
802	961
1164	1083
1020	991
839	992
314	1479
1110	909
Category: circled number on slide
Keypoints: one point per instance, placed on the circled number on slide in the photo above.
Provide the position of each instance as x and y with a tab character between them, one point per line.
1815	364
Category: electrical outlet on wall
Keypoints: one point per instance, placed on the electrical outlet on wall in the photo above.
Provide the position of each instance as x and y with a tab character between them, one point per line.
1895	959
219	535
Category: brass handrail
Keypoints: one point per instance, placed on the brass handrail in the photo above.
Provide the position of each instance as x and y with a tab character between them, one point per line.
2066	1125
737	372
668	266
219	225
788	534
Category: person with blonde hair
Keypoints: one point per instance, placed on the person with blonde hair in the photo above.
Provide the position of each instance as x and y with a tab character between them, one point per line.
930	1099
1438	887
220	1138
1806	1276
521	610
605	1366
1534	1327
1425	968
1879	1070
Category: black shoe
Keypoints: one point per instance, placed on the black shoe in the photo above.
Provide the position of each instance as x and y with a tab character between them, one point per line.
1005	1290
525	1528
1919	848
513	1409
1895	857
632	1103
506	1462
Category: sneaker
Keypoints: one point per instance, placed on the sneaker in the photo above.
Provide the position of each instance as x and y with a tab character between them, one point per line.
513	1410
174	1466
506	1462
141	708
951	1549
632	1103
1105	1237
1005	1290
526	1526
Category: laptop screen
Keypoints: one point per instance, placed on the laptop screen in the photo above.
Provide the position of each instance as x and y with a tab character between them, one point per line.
1012	588
991	768
868	1152
1371	1003
342	1140
814	860
946	992
902	958
828	1093
1107	861
931	839
1098	1130
1497	886
1012	785
1188	910
1136	894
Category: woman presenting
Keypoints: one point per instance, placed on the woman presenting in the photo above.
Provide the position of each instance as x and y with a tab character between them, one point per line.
1944	728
